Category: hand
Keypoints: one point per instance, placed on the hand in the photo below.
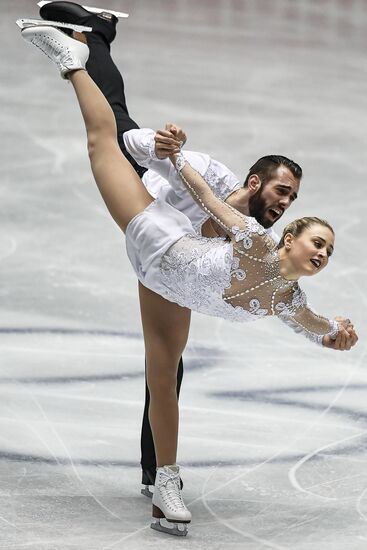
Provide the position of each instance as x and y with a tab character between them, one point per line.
346	337
344	321
177	132
169	141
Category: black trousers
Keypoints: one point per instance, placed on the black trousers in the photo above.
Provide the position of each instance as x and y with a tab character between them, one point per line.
106	75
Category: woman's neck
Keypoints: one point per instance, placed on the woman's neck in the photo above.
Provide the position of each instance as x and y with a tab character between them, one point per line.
286	267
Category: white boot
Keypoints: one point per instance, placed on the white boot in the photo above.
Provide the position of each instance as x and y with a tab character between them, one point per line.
170	514
66	52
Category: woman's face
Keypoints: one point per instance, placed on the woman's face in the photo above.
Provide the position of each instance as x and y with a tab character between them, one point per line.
309	253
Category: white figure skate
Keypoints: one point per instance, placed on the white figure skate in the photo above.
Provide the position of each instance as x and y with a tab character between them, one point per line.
170	514
66	52
118	14
26	23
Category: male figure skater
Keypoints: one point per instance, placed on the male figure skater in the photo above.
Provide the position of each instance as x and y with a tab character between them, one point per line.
270	187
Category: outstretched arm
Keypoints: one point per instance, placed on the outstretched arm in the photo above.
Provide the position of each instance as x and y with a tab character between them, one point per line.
230	219
336	334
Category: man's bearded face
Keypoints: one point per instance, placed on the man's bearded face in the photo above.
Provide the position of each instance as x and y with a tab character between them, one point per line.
274	197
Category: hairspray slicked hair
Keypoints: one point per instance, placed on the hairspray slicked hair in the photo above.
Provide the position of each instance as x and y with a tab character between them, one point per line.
266	166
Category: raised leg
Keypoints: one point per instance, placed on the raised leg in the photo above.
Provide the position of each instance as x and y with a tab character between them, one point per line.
120	186
108	78
100	65
125	197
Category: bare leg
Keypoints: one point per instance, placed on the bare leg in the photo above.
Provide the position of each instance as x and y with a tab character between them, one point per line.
126	196
120	186
166	329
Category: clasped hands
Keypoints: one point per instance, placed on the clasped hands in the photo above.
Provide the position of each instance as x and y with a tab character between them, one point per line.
169	141
346	337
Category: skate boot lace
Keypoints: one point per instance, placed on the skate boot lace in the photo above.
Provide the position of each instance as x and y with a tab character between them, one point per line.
171	494
54	50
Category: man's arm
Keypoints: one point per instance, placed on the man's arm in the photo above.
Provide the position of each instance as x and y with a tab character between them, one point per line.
151	150
141	146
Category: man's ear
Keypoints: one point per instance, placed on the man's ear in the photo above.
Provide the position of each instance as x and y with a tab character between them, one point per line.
254	184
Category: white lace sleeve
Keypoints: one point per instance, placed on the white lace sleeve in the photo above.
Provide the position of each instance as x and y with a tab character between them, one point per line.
230	219
302	319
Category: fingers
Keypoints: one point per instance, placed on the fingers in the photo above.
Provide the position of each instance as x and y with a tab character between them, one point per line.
177	132
352	335
169	141
344	322
166	133
166	144
166	138
163	152
345	339
171	127
341	340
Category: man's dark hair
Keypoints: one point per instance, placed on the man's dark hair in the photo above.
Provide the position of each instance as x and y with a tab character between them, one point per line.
266	166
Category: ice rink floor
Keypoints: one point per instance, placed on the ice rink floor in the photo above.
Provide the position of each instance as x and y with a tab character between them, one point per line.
273	429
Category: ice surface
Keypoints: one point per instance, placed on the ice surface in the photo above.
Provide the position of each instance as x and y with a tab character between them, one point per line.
273	429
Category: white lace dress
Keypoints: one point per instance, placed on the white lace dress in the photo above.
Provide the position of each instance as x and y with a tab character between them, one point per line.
237	278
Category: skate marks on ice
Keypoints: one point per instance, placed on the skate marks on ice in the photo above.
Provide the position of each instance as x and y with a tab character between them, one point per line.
76	359
40	341
69	376
222	495
337	448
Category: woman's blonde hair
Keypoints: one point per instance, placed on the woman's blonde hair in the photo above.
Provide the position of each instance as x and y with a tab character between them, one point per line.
297	227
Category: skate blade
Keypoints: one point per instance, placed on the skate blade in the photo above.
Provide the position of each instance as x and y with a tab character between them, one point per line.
24	23
171	528
147	492
118	14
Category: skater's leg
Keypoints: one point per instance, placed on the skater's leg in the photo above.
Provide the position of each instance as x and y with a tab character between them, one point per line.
100	65
108	78
148	461
166	327
162	356
120	186
106	75
110	81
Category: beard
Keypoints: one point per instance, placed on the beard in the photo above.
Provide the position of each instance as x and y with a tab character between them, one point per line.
257	209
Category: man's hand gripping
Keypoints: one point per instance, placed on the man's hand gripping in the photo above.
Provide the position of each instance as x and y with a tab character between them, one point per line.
169	141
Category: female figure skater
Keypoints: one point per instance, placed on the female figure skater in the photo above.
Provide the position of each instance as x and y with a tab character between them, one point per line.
241	278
